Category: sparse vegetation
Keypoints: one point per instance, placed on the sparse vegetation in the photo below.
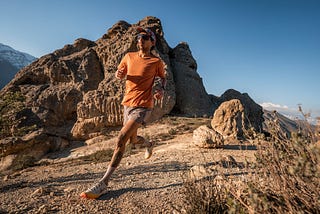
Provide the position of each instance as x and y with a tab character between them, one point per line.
172	131
10	104
99	156
286	179
23	162
205	196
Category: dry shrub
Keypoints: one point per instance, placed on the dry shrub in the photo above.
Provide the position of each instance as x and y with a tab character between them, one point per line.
288	176
285	179
204	196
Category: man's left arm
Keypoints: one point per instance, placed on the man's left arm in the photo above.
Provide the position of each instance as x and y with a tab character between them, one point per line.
162	75
160	90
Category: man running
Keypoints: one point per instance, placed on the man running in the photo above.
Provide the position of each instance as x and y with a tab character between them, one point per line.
140	69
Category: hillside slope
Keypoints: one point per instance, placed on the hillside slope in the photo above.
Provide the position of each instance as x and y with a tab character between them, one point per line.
137	186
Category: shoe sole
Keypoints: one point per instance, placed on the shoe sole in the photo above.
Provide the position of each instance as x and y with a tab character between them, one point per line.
84	195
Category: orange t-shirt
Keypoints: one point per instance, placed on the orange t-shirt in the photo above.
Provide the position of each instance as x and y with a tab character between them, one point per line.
141	73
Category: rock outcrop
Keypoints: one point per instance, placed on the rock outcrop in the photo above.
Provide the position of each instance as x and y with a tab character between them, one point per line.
102	108
238	117
192	98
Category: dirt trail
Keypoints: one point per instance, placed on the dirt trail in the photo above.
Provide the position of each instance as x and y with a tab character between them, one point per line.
137	186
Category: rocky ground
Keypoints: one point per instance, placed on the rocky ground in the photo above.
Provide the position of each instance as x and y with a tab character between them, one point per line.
137	186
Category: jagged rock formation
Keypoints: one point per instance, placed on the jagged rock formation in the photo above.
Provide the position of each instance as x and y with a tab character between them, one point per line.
192	98
71	94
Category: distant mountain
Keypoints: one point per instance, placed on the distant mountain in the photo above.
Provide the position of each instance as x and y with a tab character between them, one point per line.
11	61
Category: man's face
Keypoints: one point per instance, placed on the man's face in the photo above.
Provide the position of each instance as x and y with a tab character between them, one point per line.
144	41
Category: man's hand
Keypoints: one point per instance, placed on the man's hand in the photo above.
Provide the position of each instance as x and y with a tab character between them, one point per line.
158	94
120	74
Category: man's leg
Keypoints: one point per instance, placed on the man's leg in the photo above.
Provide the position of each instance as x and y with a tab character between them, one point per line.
133	138
101	187
127	131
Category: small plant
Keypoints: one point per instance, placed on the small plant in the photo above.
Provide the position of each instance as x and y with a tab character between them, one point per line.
172	131
204	196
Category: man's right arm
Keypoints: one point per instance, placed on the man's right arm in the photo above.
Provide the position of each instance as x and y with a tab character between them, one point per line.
122	68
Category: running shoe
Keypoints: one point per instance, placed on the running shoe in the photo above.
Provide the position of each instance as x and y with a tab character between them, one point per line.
96	191
149	149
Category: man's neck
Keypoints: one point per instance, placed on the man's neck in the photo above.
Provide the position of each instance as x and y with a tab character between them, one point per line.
143	53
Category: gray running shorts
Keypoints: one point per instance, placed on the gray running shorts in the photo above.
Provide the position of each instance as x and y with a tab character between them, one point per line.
138	114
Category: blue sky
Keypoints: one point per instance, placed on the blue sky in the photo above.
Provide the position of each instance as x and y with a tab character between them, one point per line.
269	49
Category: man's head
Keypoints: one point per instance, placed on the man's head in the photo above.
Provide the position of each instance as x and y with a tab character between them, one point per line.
145	37
148	32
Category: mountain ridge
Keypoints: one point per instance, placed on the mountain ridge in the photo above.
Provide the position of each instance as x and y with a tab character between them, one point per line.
11	61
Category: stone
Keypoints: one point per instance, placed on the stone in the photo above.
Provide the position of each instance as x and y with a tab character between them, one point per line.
253	112
229	119
198	172
205	137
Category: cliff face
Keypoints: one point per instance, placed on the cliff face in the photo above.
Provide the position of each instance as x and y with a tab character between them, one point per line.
72	94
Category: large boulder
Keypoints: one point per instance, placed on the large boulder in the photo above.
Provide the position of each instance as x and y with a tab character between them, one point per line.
253	111
232	119
238	117
229	119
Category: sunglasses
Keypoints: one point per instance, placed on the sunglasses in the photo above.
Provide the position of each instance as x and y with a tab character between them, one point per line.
143	36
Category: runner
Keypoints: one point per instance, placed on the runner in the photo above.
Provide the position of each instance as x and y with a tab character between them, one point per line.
140	69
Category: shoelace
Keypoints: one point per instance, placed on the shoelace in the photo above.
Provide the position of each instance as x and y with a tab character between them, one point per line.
98	187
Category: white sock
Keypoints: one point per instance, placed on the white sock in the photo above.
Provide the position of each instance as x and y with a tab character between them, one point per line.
108	174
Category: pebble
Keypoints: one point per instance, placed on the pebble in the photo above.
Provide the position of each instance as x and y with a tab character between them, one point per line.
38	191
